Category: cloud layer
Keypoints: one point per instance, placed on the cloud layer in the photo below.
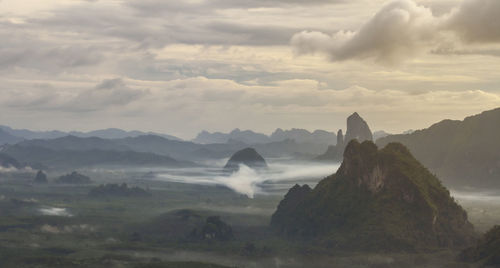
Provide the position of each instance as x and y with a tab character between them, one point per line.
402	29
183	66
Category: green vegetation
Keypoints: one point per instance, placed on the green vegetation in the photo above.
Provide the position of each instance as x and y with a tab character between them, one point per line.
487	250
118	190
157	231
378	200
462	153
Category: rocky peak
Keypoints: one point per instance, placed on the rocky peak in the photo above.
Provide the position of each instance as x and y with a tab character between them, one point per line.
358	129
368	200
340	138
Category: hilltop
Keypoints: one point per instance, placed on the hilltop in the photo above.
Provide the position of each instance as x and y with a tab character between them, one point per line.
378	200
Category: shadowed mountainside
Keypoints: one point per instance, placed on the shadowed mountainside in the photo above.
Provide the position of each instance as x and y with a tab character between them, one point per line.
487	250
378	200
462	153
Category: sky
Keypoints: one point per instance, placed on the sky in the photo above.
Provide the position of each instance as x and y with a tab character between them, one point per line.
180	67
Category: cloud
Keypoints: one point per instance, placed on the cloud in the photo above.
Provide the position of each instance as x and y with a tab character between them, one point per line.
159	7
403	29
45	97
477	21
110	92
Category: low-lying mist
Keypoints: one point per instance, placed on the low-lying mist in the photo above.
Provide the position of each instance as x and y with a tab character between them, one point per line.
278	178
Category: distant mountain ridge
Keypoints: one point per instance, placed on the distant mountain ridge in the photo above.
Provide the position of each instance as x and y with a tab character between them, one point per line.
250	137
149	149
462	153
109	133
7	138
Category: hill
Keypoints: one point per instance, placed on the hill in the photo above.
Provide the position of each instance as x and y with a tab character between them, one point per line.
109	133
304	136
63	159
487	250
73	178
7	138
463	153
378	200
7	161
248	157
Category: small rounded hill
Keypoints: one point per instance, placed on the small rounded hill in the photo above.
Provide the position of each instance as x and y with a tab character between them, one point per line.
248	157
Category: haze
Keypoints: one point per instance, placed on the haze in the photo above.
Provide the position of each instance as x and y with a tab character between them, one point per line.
160	65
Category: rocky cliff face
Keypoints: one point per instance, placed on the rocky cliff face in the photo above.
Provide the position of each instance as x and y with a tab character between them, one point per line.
248	157
358	129
378	199
340	138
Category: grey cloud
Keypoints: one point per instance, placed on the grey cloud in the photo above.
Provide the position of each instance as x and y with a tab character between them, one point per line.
110	92
157	7
21	47
396	31
252	34
181	24
477	21
401	29
45	97
451	51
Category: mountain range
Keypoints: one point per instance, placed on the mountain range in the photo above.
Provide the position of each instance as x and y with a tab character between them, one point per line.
10	135
251	137
462	153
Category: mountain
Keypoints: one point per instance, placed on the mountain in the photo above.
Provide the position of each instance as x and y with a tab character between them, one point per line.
246	136
7	138
74	143
63	159
357	129
463	153
248	157
249	137
150	144
7	161
110	133
487	250
304	136
378	200
29	134
115	133
74	178
380	134
40	177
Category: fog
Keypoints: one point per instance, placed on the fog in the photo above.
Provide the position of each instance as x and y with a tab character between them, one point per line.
279	177
478	196
52	211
